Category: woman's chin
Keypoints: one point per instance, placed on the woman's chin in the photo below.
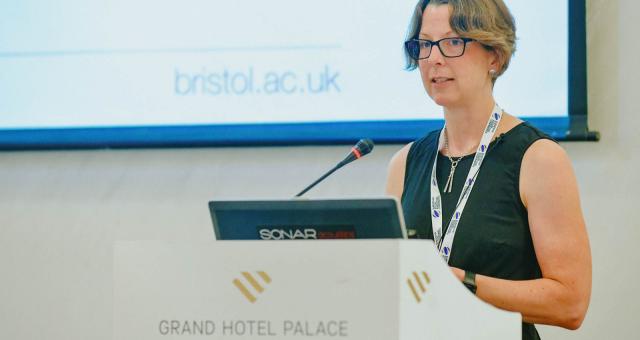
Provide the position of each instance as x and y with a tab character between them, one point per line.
442	100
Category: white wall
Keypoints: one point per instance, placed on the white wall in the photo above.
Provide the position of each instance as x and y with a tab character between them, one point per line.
61	211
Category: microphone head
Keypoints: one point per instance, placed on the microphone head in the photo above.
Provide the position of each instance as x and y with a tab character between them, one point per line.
364	146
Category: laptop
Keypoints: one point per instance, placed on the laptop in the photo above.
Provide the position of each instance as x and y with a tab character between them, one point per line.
308	219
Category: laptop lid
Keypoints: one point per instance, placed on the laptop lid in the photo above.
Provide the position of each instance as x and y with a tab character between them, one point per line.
307	219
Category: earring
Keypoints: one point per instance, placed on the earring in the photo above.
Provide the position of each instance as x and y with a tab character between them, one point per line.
493	73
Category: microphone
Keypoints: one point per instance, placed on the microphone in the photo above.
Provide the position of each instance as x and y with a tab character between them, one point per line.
363	147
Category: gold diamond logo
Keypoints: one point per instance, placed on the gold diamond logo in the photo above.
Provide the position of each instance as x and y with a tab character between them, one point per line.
252	285
419	281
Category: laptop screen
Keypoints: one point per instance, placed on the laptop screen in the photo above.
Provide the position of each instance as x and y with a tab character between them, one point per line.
307	219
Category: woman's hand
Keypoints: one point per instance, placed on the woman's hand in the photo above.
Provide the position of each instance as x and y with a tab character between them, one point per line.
459	273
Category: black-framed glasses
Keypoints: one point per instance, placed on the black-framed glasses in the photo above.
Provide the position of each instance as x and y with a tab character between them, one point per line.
449	47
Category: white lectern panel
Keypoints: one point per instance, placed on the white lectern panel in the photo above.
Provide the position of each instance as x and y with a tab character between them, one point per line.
362	289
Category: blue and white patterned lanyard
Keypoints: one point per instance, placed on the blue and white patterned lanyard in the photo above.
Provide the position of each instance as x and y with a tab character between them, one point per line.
445	245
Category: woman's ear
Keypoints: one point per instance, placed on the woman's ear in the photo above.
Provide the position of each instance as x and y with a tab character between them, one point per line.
496	61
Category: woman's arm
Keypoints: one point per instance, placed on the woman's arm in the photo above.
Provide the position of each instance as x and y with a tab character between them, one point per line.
395	176
561	297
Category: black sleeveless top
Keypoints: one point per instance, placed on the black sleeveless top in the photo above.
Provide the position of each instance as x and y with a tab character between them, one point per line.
493	236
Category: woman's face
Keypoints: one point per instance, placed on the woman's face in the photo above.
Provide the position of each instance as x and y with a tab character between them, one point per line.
453	82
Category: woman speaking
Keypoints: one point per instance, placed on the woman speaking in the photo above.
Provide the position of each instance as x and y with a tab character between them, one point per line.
498	197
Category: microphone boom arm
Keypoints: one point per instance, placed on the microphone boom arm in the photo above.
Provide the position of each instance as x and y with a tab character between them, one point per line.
363	147
340	165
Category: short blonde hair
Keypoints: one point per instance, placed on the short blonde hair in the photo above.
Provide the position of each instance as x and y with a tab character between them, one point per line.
487	21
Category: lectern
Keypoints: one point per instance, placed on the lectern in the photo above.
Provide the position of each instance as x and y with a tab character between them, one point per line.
330	289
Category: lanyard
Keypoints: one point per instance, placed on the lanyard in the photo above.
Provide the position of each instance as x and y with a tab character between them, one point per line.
445	244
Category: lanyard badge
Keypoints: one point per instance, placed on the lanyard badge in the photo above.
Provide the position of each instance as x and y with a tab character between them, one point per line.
445	242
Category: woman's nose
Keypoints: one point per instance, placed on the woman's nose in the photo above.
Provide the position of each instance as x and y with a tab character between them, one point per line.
436	56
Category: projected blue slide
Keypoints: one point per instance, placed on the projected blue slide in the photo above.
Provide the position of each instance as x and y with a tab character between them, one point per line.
143	63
